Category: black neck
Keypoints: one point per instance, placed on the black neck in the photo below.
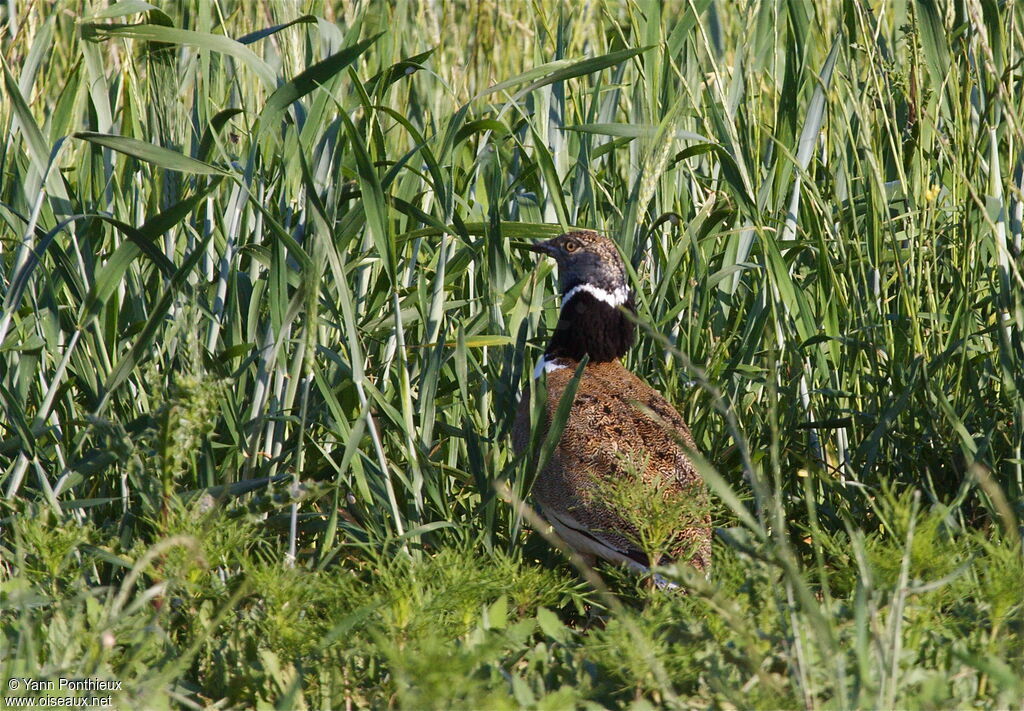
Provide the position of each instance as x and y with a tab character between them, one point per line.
588	325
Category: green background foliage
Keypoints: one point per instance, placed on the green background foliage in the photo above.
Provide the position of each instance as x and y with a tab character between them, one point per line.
264	327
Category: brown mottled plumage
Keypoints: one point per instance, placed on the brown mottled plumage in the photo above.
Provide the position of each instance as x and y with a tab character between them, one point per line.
609	428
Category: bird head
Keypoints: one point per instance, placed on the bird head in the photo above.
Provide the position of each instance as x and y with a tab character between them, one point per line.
586	258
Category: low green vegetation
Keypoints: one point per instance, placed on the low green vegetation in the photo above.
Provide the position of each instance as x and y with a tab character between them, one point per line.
264	327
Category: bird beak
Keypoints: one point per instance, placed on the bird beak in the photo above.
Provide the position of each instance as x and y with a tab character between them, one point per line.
545	247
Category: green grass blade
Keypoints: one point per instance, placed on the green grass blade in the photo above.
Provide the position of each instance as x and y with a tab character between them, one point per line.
191	38
157	155
562	70
308	80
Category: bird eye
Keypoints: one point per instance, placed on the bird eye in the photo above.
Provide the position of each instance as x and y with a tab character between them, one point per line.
571	246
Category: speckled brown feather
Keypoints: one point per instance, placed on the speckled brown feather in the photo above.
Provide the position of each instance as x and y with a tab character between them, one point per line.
607	424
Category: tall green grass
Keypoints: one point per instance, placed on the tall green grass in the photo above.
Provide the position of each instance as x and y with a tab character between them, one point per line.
264	328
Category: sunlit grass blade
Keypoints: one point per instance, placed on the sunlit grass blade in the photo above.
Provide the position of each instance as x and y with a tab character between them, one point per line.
308	80
200	40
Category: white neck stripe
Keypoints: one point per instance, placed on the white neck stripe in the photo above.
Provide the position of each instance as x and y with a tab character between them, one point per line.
615	299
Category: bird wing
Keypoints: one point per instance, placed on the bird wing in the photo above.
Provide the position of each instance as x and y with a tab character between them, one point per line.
611	435
610	431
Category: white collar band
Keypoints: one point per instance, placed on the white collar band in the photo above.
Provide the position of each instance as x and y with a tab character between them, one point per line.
615	299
